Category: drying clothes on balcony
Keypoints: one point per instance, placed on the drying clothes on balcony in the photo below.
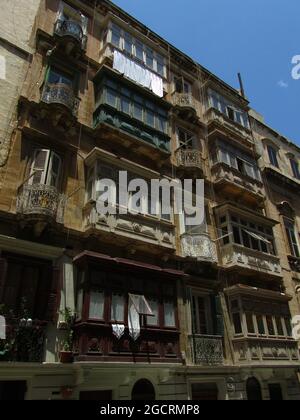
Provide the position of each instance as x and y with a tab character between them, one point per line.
118	330
257	237
138	73
133	322
2	328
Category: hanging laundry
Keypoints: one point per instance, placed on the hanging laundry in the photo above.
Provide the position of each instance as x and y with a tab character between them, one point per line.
133	322
138	73
118	330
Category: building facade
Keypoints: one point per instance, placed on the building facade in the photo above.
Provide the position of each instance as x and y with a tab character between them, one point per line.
158	309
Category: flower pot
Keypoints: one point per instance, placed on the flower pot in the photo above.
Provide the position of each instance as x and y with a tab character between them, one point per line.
66	356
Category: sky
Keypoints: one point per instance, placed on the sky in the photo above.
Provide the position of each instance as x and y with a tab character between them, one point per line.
257	38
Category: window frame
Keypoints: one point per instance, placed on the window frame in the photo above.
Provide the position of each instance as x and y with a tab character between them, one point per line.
47	171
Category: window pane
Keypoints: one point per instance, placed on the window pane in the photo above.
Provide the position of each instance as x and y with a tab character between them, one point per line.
128	43
169	314
279	326
153	320
288	327
111	98
149	58
125	105
237	323
160	65
117	308
260	325
273	156
138	112
270	325
250	323
116	36
139	50
236	234
161	124
96	310
150	118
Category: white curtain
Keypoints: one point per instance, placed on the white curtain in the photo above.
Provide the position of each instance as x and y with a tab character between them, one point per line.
138	74
169	314
117	308
96	305
2	328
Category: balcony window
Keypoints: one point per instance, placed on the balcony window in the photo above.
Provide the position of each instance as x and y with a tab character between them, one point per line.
45	168
117	307
273	156
134	105
295	168
182	86
260	318
186	139
224	106
104	171
132	46
201	314
169	314
96	306
292	238
153	321
247	234
237	160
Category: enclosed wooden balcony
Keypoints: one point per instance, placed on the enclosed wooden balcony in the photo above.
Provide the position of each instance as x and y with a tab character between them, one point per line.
236	185
247	261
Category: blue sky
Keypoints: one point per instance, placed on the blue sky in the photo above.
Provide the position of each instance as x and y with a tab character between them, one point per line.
255	37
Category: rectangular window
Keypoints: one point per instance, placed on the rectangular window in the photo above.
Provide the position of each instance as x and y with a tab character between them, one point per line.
116	36
260	325
292	238
150	118
288	327
160	65
111	98
237	323
250	323
117	307
138	111
279	326
128	43
139	50
270	325
153	321
56	77
169	314
149	58
96	309
125	105
273	156
295	169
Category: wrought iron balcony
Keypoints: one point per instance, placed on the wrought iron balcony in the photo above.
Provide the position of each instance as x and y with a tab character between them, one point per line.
24	341
207	350
199	246
73	29
61	94
189	158
41	200
184	100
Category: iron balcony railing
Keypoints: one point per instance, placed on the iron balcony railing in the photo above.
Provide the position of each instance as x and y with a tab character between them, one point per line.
61	94
207	350
71	28
199	246
184	100
41	200
189	158
24	342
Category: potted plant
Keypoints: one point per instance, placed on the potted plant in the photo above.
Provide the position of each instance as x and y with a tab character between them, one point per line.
66	349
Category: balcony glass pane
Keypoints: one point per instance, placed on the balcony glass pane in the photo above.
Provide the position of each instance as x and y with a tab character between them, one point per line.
169	314
96	309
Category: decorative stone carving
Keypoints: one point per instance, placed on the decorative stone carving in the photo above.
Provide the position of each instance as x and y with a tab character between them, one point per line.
207	350
199	246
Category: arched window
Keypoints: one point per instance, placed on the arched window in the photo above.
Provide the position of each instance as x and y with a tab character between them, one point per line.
253	390
143	390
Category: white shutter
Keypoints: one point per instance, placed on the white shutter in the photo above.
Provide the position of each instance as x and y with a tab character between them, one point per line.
39	167
54	170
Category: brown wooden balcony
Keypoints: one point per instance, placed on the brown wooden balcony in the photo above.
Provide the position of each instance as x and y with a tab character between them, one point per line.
71	30
41	201
207	349
61	95
199	246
